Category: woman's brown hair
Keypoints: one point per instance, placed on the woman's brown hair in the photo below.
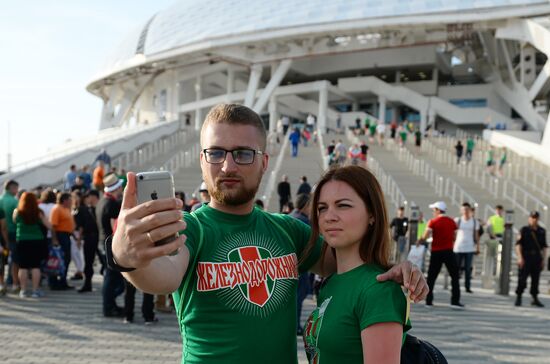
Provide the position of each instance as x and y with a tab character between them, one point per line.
376	244
28	208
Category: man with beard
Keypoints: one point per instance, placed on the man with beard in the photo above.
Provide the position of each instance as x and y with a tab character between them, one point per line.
240	304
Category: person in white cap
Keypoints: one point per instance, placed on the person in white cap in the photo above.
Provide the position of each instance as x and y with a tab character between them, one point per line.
443	231
107	211
204	195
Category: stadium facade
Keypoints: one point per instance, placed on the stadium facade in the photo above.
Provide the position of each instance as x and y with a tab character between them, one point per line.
463	63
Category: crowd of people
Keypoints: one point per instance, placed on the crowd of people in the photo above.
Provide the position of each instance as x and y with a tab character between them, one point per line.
47	231
253	269
456	241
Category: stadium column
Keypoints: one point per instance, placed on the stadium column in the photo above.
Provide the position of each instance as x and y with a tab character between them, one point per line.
172	96
230	80
198	97
253	83
546	136
323	106
381	109
273	115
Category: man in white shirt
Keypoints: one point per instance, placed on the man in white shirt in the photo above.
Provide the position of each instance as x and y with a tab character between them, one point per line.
466	242
380	132
310	121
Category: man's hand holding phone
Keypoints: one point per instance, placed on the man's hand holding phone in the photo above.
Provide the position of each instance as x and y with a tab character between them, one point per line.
141	225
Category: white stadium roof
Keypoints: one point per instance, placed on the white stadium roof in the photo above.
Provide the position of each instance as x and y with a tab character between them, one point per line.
193	25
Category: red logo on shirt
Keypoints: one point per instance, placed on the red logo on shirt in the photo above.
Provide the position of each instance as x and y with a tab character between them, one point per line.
252	269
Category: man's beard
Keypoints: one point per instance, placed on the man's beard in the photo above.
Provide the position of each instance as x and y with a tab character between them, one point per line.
235	197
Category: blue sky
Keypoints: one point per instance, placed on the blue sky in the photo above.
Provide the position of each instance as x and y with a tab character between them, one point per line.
49	50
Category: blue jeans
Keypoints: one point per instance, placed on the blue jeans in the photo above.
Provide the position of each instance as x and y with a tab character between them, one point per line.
13	257
113	286
294	150
467	258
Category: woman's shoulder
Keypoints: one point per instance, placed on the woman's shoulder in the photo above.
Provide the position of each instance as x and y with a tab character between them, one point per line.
366	275
369	285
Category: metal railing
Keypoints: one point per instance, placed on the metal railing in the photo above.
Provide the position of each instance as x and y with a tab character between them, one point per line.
524	201
270	186
182	159
105	136
530	171
420	167
457	194
389	186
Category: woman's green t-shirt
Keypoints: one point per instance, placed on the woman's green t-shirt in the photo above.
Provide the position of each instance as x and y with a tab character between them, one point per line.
349	303
27	231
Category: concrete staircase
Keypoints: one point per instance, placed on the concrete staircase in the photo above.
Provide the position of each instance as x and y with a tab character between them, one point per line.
309	163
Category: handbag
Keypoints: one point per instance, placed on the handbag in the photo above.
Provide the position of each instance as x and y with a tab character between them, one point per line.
417	351
55	265
416	255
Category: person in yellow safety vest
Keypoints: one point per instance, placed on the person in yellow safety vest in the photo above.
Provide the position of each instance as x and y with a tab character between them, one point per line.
495	224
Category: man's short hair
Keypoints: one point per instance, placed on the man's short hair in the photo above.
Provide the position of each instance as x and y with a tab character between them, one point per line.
238	115
92	192
499	207
10	183
62	197
467	204
401	208
304	178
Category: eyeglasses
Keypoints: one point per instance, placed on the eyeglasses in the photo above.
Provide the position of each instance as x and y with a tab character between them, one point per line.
241	156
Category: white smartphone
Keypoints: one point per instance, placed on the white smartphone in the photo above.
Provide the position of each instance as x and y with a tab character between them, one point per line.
153	186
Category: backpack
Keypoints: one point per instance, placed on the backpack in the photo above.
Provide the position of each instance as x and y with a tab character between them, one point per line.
417	351
480	230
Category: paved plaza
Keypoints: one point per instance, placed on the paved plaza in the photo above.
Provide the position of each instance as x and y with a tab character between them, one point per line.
67	327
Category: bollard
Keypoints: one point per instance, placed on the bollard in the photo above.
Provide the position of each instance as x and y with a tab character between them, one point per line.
503	286
413	227
489	256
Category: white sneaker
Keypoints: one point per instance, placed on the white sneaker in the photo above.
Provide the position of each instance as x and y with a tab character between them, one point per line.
458	307
23	294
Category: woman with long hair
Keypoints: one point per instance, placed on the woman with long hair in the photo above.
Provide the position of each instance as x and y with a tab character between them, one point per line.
31	242
358	319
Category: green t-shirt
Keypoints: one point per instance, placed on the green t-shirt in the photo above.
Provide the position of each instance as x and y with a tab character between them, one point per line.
372	128
421	229
27	231
470	145
503	158
8	203
497	224
490	156
243	301
349	303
